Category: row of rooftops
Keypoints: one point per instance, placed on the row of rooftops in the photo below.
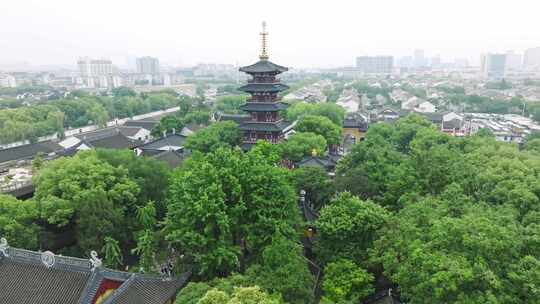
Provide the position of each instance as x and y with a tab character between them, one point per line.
15	163
128	136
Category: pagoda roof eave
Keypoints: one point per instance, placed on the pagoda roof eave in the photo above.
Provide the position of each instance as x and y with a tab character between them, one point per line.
263	106
281	126
264	66
263	87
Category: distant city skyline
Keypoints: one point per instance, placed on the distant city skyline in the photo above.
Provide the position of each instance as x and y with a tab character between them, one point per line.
302	33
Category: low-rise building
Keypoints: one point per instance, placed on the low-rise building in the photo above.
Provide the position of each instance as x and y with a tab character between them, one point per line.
47	278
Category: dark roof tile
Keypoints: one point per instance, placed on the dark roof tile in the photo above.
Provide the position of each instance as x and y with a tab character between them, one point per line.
264	66
263	106
28	151
263	87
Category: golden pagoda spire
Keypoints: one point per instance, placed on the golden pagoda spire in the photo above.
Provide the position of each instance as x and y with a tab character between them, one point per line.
264	48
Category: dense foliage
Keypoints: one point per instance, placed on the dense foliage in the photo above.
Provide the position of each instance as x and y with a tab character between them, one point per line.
445	219
302	144
220	134
80	109
18	222
231	104
322	126
224	207
329	110
465	214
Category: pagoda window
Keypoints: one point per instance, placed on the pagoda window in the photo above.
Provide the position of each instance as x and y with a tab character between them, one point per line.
254	116
269	116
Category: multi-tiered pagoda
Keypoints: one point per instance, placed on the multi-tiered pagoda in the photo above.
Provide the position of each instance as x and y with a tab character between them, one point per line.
264	121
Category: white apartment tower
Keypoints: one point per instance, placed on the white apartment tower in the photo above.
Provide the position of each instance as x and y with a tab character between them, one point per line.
531	59
148	65
493	66
95	67
379	65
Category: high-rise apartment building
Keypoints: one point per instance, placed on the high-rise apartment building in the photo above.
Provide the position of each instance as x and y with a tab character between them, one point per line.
436	61
95	67
531	59
419	58
148	65
513	61
375	64
7	81
493	66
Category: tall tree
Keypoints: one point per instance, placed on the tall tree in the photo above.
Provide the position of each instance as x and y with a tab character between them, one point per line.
347	228
283	258
322	126
346	282
331	111
151	176
19	222
220	134
230	104
225	204
303	144
317	184
95	197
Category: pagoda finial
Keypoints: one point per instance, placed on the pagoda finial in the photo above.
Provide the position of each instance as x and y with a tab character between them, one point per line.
264	48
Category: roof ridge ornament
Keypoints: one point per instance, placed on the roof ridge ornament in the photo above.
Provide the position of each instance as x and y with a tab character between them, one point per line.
95	260
264	43
48	259
4	246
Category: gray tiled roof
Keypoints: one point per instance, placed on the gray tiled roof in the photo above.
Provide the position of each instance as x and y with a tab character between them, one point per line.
264	66
24	278
28	151
237	118
263	87
311	161
266	126
117	141
30	283
148	125
129	131
263	106
147	290
176	140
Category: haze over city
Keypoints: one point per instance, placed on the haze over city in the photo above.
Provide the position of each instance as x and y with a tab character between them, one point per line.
269	152
302	33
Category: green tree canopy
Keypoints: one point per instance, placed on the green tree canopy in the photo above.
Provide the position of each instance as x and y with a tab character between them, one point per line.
18	222
302	144
347	227
322	126
95	197
346	282
317	184
168	125
230	104
225	203
329	110
220	134
151	176
283	259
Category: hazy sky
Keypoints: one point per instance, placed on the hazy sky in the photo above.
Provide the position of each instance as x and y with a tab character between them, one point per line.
303	33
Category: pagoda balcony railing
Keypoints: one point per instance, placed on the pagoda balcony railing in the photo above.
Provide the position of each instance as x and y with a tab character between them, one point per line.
275	80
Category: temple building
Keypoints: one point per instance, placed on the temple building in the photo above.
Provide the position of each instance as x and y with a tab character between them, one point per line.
45	278
264	121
